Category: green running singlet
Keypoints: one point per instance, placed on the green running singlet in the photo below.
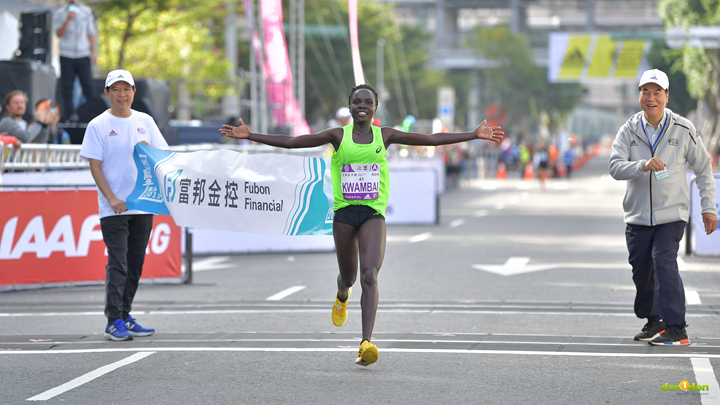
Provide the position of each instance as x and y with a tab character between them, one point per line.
360	172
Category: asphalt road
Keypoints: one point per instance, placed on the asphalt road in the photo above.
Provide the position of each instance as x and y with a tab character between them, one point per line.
519	296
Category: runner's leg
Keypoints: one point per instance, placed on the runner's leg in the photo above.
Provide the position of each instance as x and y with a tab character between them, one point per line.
372	252
346	250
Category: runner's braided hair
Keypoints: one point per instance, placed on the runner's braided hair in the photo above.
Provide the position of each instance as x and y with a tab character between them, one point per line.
360	87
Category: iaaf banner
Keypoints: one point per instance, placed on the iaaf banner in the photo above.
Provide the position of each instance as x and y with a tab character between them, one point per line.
226	190
55	237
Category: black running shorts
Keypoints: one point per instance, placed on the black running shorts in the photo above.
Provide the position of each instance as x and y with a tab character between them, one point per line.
356	215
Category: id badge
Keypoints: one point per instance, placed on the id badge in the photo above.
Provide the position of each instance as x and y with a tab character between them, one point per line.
662	174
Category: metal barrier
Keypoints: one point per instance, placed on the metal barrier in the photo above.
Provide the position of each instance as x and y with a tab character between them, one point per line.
43	157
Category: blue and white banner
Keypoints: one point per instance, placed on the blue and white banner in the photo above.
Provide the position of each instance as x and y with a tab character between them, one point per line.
226	190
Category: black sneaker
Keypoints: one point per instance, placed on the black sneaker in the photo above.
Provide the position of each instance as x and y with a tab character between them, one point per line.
671	338
651	330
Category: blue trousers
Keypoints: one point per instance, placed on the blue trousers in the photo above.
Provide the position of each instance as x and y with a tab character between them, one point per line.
653	257
126	237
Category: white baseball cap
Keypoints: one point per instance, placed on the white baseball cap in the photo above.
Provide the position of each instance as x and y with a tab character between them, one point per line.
655	76
119	75
342	112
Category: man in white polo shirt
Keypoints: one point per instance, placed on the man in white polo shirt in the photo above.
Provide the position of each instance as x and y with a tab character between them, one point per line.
108	144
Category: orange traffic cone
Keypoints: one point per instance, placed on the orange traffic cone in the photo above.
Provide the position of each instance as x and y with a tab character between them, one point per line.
529	172
501	171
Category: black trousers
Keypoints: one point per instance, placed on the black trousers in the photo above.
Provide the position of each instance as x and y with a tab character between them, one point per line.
653	256
69	68
126	238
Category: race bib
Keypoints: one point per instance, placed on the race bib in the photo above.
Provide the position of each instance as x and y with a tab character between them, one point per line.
360	181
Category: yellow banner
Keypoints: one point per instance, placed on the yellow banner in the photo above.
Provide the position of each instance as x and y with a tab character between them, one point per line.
629	60
602	57
575	54
581	57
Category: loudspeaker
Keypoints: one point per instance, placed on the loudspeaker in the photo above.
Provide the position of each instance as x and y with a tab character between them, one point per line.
35	36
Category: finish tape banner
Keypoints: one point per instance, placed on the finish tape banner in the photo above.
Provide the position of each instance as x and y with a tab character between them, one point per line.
580	58
54	237
226	190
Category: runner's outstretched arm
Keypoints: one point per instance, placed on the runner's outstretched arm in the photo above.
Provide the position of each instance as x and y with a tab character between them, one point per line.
331	135
493	134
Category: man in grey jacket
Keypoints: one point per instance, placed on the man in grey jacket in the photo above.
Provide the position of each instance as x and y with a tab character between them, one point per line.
651	151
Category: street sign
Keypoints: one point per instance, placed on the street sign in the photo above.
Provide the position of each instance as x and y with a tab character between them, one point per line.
699	36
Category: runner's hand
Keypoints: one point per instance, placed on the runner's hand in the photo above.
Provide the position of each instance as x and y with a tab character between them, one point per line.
239	132
494	134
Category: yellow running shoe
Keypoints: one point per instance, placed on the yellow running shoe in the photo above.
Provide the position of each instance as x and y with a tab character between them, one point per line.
339	313
368	354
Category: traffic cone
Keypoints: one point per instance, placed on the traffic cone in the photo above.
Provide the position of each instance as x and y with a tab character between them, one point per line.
501	171
529	172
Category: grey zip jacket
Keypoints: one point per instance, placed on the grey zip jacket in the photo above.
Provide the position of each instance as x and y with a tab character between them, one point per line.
649	201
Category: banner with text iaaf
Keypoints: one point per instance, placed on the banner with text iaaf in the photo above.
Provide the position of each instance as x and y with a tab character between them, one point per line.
226	190
584	57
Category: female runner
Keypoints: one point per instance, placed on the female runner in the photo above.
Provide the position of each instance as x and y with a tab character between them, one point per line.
361	189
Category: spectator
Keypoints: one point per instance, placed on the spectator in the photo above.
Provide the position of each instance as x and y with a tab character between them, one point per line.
15	125
75	26
342	118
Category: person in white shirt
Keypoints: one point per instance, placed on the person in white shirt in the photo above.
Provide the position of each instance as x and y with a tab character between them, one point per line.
108	144
75	26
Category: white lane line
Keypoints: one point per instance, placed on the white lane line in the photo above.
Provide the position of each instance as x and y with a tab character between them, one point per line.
420	237
284	293
704	375
212	263
514	200
456	223
499	206
89	377
384	350
692	297
480	213
682	266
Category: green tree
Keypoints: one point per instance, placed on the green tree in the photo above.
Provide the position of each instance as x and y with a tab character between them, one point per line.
701	66
165	39
518	84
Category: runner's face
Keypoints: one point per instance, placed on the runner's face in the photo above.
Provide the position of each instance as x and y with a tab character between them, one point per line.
362	105
120	95
653	99
16	106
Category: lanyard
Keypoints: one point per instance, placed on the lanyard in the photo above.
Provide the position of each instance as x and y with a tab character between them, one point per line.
653	145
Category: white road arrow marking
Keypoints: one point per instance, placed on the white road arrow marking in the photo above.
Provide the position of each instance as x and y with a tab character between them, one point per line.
513	266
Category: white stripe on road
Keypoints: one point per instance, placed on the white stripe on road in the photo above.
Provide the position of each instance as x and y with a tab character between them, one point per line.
681	264
284	293
456	223
499	206
704	375
421	237
89	377
212	263
384	350
481	213
692	297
